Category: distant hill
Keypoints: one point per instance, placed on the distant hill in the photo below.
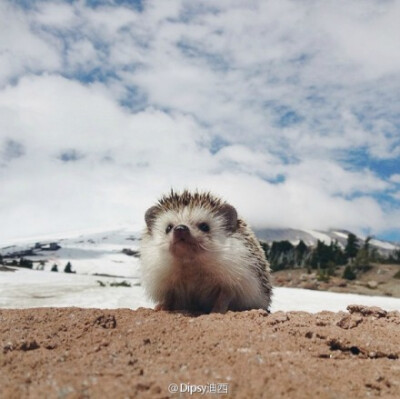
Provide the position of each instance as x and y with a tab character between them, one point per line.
105	252
311	237
114	252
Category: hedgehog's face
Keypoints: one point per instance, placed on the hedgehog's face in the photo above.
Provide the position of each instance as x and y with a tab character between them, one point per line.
190	232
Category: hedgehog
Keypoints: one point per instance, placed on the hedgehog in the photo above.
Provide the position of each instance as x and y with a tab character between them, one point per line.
197	255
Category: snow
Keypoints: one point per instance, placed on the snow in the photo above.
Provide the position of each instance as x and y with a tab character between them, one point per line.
341	234
73	234
288	299
384	245
320	236
26	288
100	252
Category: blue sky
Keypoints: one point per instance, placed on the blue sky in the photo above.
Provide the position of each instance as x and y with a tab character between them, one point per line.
289	110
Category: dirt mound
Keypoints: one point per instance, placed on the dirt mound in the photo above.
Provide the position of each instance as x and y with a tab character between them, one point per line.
91	353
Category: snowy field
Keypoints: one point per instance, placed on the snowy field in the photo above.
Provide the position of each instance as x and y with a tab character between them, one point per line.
29	288
102	253
89	253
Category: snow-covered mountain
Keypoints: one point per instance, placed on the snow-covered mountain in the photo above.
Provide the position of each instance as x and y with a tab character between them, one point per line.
108	252
115	252
310	238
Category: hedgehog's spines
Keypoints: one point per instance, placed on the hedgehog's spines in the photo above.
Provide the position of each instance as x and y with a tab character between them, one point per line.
175	200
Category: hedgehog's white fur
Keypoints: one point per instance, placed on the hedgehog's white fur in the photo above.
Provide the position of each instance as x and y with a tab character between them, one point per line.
224	262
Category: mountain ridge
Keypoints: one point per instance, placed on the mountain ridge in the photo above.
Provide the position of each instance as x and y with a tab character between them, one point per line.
116	246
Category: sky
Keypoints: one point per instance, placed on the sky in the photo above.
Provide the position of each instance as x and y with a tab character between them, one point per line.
289	110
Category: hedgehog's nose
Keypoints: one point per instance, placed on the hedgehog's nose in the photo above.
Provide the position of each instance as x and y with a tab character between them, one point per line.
181	231
181	228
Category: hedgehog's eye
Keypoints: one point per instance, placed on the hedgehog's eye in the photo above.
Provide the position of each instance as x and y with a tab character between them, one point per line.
204	227
169	228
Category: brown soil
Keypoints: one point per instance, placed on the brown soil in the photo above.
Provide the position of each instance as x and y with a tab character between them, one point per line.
92	353
378	281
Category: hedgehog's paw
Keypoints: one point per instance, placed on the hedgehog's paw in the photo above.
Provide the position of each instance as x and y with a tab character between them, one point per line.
222	303
161	306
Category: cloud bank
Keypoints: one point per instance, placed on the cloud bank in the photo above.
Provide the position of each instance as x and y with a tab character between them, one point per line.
288	109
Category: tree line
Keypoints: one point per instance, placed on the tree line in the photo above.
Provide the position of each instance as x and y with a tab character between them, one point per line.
354	257
28	264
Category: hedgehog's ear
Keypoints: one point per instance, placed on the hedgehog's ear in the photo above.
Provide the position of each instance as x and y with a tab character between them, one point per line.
150	216
228	212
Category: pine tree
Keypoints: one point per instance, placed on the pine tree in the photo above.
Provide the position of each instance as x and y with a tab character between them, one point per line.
321	256
266	249
396	256
25	263
68	268
362	259
366	245
301	252
338	255
352	246
348	273
281	255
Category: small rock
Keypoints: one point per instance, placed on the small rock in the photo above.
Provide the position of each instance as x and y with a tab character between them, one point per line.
310	285
278	317
348	322
106	321
303	277
367	310
23	345
372	284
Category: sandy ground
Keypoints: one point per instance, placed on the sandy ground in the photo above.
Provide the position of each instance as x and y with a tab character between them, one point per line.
92	353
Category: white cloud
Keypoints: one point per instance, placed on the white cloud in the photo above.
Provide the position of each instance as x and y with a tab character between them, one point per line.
332	179
23	50
267	103
363	37
55	15
396	196
395	178
295	204
83	55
